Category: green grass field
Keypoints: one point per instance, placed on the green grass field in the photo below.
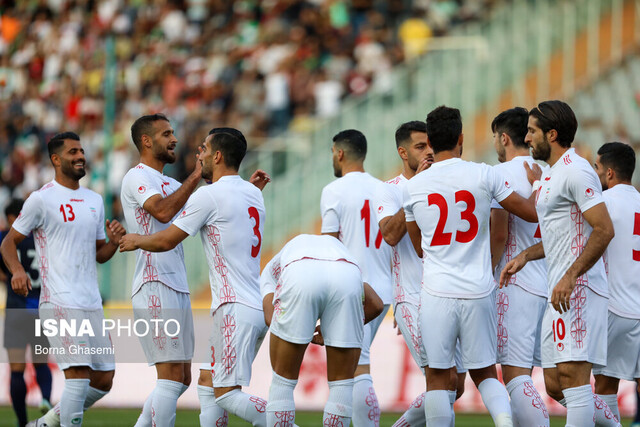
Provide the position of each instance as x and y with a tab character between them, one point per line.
100	417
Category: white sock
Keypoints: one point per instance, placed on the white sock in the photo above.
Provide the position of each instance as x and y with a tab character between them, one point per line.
144	420
452	400
210	413
580	407
437	408
527	406
366	411
72	401
93	395
249	408
414	416
281	411
496	400
606	407
338	409
165	400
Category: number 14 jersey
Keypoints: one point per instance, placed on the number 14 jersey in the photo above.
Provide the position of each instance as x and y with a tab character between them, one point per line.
451	203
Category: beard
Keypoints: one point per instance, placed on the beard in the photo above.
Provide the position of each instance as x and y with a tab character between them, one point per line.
163	154
337	170
68	169
541	151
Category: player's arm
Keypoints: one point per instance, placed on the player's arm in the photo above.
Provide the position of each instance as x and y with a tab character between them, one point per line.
165	208
416	237
267	308
598	218
518	205
532	253
393	228
499	233
104	249
20	282
161	241
373	304
335	234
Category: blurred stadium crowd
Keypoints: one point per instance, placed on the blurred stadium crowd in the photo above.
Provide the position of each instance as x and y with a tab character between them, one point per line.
264	66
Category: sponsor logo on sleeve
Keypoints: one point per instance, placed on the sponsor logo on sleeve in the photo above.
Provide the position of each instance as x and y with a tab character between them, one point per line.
142	189
589	192
380	209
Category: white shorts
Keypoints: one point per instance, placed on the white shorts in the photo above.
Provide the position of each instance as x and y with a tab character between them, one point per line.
579	334
370	330
238	332
407	316
92	350
445	320
519	326
623	349
327	290
154	301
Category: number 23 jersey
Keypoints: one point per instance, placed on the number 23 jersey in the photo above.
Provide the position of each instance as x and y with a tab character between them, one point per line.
451	203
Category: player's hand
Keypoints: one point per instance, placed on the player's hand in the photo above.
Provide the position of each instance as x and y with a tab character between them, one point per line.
317	337
20	283
260	179
128	242
425	163
198	169
115	231
512	267
561	295
534	172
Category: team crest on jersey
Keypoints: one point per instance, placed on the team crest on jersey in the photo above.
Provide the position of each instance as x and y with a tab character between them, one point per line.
560	346
142	189
589	192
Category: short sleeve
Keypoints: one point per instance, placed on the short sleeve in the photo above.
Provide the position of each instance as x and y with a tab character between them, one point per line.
330	210
270	276
584	188
31	216
407	204
498	185
388	201
100	231
139	186
197	212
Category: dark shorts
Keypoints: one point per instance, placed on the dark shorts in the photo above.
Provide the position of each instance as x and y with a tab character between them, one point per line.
19	328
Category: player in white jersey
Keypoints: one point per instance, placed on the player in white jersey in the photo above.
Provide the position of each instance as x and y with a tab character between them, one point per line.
447	209
576	229
151	200
520	307
615	165
416	156
68	225
229	214
347	206
314	278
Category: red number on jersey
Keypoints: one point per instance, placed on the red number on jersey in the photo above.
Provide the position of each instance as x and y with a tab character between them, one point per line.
365	214
253	213
440	238
71	216
636	232
559	330
538	233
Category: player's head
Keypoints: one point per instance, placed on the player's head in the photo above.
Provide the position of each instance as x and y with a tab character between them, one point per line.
510	126
349	146
411	142
444	129
13	210
153	133
616	162
226	145
66	155
551	122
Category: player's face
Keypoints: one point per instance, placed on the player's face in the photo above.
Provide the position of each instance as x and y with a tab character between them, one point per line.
418	150
72	161
500	150
337	168
206	159
537	141
164	142
602	173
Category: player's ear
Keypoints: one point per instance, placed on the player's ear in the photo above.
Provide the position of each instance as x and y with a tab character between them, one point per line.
146	141
504	138
55	159
402	152
218	157
340	154
460	139
552	135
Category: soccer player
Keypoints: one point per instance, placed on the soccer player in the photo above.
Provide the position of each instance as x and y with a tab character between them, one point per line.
230	217
615	165
347	206
521	305
68	224
416	156
314	278
447	209
19	323
576	229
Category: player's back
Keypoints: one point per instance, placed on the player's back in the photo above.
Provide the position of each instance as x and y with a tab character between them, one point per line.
623	253
451	203
347	207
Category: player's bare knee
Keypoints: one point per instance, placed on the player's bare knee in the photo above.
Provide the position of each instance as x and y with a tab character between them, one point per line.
606	385
481	374
186	378
205	379
221	391
102	380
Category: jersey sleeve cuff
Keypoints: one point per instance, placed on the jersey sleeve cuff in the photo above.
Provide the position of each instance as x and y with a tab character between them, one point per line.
185	229
19	229
591	203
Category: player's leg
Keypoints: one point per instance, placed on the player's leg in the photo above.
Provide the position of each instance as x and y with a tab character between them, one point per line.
606	390
574	381
210	413
18	387
76	387
41	366
341	363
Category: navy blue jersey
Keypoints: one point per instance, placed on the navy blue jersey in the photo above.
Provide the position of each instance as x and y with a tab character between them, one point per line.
29	260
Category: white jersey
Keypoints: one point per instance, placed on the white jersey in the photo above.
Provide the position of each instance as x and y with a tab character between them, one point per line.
521	234
347	206
230	217
304	246
569	188
451	203
138	185
622	257
405	264
66	224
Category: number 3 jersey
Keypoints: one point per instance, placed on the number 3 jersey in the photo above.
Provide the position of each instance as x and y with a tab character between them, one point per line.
230	217
66	224
347	206
451	203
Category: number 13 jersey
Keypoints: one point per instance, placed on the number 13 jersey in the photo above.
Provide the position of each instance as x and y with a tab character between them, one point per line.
451	203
